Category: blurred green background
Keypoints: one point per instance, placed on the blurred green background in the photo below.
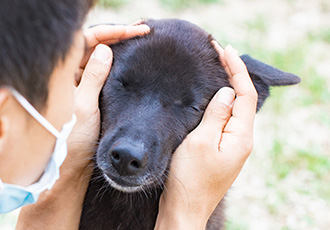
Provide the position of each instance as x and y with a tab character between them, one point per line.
285	184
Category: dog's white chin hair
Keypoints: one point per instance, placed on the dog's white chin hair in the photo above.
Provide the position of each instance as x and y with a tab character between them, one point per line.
120	188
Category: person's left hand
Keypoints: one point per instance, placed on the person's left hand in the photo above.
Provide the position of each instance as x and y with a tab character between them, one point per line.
95	67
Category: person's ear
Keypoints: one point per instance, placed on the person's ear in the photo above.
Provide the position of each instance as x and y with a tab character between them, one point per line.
264	76
4	121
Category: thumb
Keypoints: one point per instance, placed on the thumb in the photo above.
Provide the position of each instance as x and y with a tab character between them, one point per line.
218	113
94	75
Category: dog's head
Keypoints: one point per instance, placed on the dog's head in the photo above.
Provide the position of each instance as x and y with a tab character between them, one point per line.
156	94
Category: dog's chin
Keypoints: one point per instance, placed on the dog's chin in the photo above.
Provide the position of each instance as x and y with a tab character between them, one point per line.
126	189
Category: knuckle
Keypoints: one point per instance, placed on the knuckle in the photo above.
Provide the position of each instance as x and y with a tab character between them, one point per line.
94	73
247	147
84	113
243	145
253	95
81	109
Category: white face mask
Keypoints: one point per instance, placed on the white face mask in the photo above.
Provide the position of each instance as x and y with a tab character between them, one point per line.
15	196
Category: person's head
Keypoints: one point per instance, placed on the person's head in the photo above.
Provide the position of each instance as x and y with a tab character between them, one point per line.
41	45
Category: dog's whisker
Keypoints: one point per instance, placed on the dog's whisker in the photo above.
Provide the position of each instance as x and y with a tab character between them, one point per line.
84	142
97	194
184	187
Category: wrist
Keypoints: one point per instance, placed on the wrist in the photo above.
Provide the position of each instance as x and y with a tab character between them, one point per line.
68	190
78	163
63	202
180	216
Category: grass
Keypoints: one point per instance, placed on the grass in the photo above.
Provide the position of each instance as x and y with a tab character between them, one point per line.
314	86
317	89
288	160
315	162
324	118
286	169
233	225
183	4
257	25
112	3
320	35
169	4
310	159
299	162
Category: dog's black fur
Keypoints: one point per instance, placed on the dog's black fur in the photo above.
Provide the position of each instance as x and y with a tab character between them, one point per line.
155	95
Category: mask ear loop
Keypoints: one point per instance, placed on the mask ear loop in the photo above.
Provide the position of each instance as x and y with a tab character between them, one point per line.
34	113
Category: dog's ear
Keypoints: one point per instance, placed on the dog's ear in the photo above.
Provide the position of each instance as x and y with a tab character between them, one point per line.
264	76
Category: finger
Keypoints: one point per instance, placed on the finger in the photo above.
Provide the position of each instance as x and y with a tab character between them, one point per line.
94	76
133	31
109	33
221	53
77	77
246	101
217	114
138	22
236	145
232	61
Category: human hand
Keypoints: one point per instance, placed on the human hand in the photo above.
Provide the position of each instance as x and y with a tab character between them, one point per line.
108	35
94	69
208	161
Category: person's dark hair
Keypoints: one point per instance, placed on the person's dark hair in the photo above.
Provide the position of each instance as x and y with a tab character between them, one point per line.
34	36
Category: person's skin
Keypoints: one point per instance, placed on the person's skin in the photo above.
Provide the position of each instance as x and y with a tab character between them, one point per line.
61	207
24	163
25	145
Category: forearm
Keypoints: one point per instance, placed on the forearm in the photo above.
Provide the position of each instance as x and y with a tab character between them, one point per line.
59	208
179	221
177	211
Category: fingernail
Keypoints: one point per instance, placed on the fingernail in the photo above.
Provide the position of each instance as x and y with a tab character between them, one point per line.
226	95
229	47
138	22
102	53
145	28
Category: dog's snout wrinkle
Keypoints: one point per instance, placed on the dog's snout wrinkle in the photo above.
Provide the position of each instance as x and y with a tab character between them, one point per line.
129	160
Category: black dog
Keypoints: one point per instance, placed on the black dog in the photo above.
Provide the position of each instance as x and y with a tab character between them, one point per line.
155	95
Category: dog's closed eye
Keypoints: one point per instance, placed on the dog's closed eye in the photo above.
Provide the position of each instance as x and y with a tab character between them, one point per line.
196	109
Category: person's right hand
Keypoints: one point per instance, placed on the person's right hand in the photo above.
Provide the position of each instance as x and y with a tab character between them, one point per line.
60	207
94	70
208	161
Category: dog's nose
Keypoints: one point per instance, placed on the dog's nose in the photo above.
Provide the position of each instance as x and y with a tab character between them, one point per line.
129	160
